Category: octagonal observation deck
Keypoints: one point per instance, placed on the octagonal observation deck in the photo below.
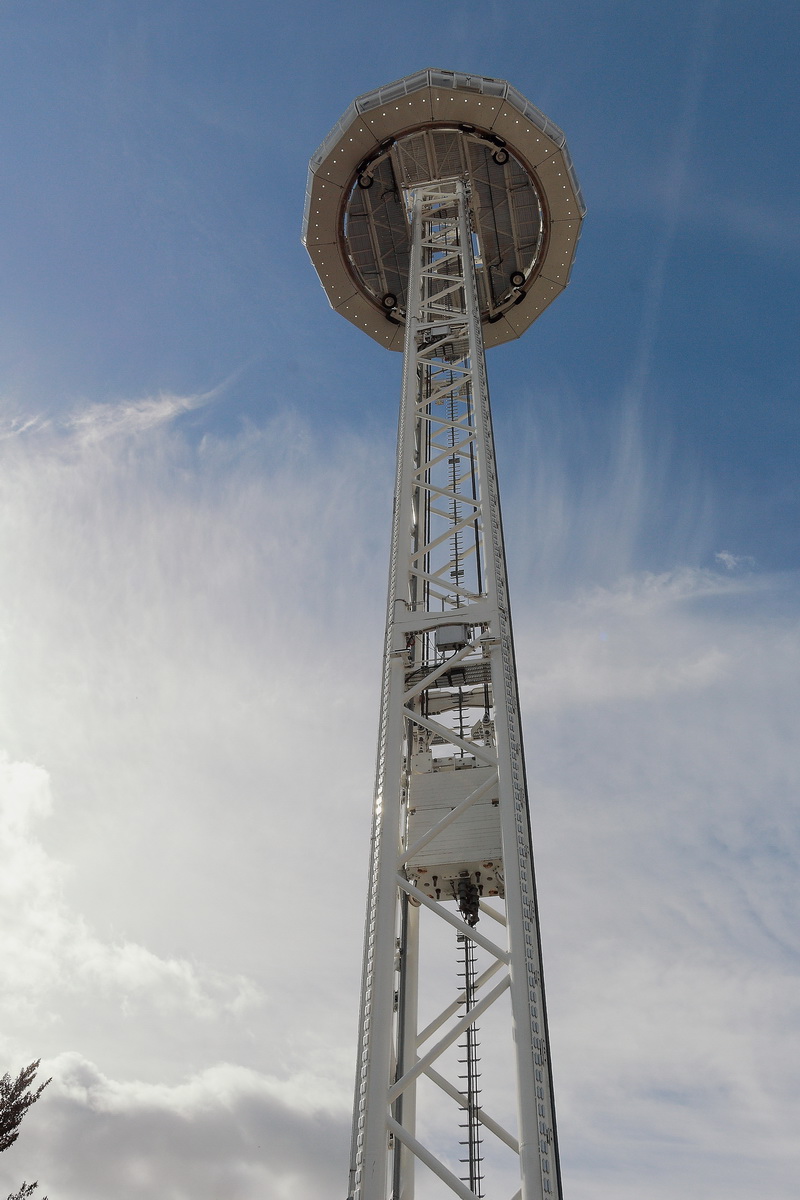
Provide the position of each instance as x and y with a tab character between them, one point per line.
525	202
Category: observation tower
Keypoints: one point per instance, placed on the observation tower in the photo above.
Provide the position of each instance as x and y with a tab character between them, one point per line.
442	216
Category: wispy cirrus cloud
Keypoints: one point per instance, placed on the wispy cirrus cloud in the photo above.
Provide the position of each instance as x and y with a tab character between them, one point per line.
642	637
92	423
170	649
672	186
734	562
664	774
95	422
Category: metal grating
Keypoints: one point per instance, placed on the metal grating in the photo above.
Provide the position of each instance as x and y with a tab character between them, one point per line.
505	206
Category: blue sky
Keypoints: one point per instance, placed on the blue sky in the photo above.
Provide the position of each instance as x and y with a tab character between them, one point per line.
197	457
159	151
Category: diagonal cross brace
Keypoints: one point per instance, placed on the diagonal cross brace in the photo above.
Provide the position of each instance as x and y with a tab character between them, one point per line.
424	1155
494	1126
452	1008
452	1035
469	931
451	737
453	815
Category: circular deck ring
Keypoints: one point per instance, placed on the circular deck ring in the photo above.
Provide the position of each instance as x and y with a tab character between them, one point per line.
353	229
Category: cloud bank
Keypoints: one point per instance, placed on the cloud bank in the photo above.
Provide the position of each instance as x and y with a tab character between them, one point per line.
227	1131
190	635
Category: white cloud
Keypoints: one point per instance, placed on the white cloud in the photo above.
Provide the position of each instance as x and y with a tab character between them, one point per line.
173	655
48	951
12	426
190	644
664	776
227	1131
639	638
732	562
92	423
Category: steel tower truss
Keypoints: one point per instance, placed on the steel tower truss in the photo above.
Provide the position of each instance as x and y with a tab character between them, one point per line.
451	838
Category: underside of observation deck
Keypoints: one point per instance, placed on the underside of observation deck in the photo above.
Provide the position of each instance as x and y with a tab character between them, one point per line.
525	204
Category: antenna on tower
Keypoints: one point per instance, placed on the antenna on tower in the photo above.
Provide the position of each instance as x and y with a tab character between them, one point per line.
442	216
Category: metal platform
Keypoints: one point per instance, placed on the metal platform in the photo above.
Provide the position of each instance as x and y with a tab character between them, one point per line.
525	203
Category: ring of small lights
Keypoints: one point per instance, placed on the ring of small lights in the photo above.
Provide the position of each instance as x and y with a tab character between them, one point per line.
488	118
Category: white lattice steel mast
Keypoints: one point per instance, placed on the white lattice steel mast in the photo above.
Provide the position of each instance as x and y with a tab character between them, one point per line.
442	229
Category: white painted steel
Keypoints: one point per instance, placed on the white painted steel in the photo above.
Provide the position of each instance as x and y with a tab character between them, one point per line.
408	1023
453	814
450	918
452	1035
460	1099
539	1165
430	100
455	1004
447	569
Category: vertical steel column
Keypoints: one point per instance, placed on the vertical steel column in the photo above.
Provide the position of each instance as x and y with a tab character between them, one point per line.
539	1161
369	1167
447	564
